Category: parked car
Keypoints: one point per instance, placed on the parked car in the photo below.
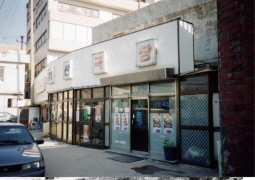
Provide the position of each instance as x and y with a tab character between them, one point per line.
20	155
7	117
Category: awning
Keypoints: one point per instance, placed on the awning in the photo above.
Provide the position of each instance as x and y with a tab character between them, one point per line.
199	71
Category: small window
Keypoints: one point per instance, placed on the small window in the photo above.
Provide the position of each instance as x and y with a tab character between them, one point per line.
9	103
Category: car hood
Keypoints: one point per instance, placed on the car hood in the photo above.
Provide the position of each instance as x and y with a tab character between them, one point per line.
19	154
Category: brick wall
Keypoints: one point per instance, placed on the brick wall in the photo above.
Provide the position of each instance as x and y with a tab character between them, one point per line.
236	85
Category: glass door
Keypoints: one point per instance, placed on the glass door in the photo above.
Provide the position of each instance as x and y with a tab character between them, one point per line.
85	123
91	124
97	123
139	125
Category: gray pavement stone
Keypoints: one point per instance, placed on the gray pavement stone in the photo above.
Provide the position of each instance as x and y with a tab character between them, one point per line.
65	160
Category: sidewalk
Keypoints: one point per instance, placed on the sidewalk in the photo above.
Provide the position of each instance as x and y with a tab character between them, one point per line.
57	154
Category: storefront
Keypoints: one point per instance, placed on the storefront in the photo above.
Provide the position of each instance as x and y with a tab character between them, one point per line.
61	116
125	94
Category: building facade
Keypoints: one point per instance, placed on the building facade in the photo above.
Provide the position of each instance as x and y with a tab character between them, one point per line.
64	26
13	65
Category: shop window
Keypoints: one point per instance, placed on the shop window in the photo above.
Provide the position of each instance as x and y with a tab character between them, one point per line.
120	90
54	97
192	84
60	96
162	87
163	122
140	89
120	123
98	92
85	93
78	94
71	94
65	95
107	91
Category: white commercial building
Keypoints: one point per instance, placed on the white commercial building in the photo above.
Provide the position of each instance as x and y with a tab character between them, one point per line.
135	86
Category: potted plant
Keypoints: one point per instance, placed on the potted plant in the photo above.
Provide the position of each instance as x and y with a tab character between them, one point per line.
170	150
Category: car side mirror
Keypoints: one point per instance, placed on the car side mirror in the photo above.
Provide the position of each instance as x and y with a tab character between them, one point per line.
39	141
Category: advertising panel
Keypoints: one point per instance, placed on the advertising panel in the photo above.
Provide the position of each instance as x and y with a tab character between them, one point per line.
99	62
146	53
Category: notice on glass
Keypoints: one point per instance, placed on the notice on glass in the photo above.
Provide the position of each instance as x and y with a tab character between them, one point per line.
116	121
124	121
156	123
98	113
86	133
168	125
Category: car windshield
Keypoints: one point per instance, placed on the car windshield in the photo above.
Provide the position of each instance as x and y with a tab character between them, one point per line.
10	135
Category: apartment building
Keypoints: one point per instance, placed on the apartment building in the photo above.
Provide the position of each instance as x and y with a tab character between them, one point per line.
61	26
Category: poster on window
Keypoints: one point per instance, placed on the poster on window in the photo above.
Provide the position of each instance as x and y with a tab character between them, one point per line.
124	121
97	113
99	62
168	124
116	121
156	123
145	53
86	133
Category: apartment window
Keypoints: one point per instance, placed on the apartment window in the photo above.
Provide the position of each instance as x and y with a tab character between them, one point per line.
28	36
41	40
1	73
41	15
70	32
40	66
78	10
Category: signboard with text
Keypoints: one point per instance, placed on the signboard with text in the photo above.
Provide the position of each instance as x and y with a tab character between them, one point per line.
68	69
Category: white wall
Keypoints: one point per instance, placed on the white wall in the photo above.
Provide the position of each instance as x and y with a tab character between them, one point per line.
121	55
12	86
201	13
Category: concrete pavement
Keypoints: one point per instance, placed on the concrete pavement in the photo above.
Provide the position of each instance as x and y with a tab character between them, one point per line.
65	160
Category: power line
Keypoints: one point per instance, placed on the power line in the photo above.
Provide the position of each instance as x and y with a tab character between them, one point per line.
2	4
12	18
6	40
7	13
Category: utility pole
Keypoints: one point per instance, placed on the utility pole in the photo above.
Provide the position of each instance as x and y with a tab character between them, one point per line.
32	66
139	4
22	37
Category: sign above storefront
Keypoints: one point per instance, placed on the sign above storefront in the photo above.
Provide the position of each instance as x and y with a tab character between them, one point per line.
146	53
68	69
51	75
40	86
99	62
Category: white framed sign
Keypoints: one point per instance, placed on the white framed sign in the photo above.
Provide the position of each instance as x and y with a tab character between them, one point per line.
40	86
51	75
146	53
68	69
99	62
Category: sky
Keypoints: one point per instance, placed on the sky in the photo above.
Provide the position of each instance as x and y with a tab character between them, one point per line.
13	23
